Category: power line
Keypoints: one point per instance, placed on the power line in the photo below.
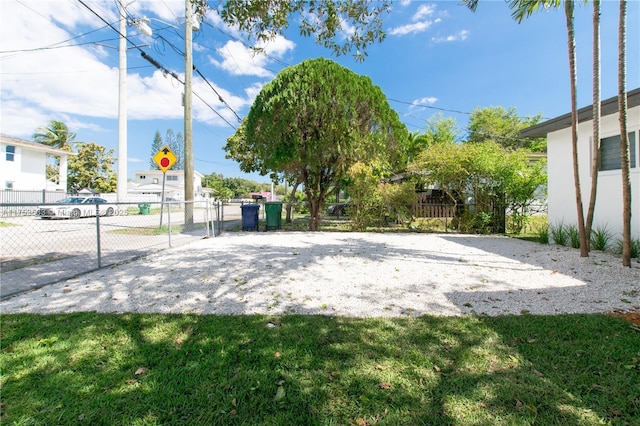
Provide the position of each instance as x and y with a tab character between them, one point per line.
180	52
216	92
154	62
36	49
430	107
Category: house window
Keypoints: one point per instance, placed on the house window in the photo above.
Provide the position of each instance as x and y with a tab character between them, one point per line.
170	177
610	152
142	177
11	152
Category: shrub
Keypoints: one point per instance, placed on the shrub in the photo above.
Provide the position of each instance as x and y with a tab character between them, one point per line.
600	238
560	234
543	234
635	248
574	236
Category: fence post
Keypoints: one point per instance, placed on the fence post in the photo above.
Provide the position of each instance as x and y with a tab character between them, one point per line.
207	207
168	220
98	235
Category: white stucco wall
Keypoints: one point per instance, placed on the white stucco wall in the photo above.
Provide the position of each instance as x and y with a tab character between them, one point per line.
562	199
26	171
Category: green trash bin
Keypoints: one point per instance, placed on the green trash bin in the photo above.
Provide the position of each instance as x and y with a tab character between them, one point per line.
144	208
274	214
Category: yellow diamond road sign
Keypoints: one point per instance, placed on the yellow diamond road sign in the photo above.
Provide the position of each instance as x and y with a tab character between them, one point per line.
165	158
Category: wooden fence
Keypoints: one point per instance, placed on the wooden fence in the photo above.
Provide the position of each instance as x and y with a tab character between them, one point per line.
434	210
433	204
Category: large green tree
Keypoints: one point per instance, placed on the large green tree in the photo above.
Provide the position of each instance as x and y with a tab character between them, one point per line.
92	168
439	129
503	127
314	121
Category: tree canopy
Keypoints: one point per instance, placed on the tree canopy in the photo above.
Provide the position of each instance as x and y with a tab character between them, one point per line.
92	168
175	142
488	177
55	134
503	127
312	122
342	26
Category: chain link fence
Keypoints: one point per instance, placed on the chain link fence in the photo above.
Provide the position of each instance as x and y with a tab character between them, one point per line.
45	243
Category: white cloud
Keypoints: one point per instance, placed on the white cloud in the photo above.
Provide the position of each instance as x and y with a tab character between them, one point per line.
420	24
239	59
424	11
427	100
417	27
461	36
79	84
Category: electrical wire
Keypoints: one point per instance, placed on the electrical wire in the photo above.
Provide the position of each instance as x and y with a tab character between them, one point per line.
429	106
220	98
154	62
52	47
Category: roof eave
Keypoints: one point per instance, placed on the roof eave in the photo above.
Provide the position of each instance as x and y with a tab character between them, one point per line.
608	106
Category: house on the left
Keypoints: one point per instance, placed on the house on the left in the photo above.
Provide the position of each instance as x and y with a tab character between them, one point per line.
23	165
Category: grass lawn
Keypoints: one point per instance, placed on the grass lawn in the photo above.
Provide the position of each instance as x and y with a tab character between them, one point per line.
131	369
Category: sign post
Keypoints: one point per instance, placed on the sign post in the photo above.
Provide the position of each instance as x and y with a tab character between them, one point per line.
165	159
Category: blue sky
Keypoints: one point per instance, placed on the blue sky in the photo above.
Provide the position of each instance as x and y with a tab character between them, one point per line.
58	61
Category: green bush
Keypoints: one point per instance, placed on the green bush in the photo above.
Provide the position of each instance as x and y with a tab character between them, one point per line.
560	234
376	203
635	248
543	234
574	236
600	238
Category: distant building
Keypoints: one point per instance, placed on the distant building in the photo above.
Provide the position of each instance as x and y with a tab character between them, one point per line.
150	182
262	195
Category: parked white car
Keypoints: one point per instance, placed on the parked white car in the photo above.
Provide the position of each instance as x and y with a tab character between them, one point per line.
75	207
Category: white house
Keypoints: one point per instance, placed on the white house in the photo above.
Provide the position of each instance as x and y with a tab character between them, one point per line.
561	187
23	165
150	182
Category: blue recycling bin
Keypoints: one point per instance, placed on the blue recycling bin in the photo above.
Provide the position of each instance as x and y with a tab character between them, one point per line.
250	217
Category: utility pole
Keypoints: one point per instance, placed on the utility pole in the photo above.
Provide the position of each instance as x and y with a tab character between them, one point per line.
121	183
188	134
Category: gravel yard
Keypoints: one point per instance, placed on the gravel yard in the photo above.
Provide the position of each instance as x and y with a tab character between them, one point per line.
350	274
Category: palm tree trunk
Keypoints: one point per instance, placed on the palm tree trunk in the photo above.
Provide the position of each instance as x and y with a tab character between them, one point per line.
568	9
596	120
624	139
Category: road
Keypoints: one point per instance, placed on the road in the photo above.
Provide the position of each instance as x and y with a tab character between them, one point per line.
30	236
36	252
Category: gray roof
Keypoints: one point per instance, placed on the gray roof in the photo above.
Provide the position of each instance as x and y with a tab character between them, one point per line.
609	106
12	140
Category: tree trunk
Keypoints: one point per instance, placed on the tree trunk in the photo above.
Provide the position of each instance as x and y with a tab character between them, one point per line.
314	209
292	200
568	8
624	138
596	120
